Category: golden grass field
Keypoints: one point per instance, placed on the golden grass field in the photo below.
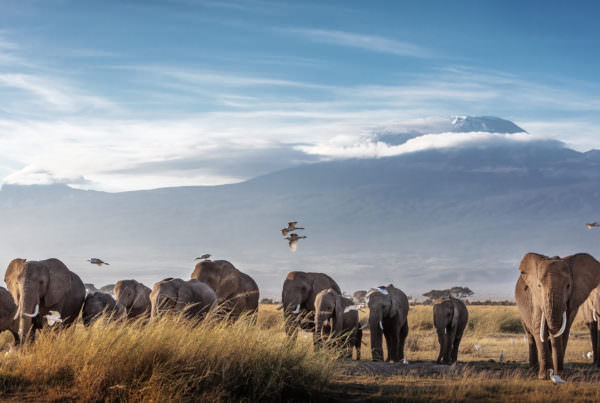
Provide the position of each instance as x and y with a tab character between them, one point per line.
167	360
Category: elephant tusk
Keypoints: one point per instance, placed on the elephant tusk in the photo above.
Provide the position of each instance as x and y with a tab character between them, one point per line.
17	314
366	326
280	307
542	330
297	309
445	330
562	328
594	315
380	325
352	308
35	313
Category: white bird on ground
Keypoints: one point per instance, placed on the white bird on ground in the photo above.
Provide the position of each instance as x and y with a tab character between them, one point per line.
556	379
53	317
501	359
98	262
405	361
206	256
477	347
512	340
589	355
525	339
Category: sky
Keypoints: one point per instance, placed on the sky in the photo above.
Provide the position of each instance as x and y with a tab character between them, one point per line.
125	95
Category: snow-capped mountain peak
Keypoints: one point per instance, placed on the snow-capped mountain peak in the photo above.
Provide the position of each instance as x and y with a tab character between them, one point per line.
490	124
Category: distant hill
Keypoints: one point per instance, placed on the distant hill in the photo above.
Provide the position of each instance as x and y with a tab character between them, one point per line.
422	220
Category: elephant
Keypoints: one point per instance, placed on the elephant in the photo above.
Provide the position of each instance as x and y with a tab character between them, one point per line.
98	303
298	296
8	308
332	307
549	292
135	297
236	292
193	298
388	310
591	311
43	289
450	317
359	296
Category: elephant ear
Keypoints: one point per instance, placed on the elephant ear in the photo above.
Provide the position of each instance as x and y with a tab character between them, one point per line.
184	297
142	297
586	276
394	305
528	267
339	315
59	282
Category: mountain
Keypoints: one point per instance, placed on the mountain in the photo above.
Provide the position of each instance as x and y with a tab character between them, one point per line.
430	219
454	124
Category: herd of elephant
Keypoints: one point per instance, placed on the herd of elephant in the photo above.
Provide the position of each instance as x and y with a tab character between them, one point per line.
549	292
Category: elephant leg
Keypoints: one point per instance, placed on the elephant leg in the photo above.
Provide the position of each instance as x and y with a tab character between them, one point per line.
533	353
543	352
593	329
557	352
358	342
390	342
455	345
402	341
441	341
449	345
596	351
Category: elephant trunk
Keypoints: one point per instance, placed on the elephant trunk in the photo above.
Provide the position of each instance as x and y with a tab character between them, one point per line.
376	336
28	308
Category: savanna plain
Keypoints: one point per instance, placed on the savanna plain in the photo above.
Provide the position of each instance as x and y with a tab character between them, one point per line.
252	360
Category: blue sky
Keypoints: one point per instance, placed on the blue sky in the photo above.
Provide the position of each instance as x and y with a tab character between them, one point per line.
139	94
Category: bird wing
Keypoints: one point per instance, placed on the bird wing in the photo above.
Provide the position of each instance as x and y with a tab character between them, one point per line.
292	224
284	232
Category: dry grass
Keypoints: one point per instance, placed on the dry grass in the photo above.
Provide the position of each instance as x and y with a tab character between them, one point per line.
168	360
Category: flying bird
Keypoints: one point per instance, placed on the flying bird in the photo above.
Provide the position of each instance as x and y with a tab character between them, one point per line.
206	256
294	238
556	379
590	225
290	228
98	262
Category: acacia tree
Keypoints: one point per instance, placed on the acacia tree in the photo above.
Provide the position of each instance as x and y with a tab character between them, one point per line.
457	292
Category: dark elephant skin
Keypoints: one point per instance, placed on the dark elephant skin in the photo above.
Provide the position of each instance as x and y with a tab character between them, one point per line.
237	292
193	298
8	309
48	285
591	314
330	307
298	296
549	292
450	317
135	297
390	312
97	304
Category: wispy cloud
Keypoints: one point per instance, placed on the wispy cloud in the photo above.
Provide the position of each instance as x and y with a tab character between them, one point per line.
54	95
345	147
372	43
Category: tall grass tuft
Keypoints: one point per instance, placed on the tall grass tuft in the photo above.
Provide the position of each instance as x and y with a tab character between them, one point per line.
167	360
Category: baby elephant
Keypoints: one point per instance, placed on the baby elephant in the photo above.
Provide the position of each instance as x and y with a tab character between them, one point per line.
331	307
193	298
98	303
450	318
8	309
